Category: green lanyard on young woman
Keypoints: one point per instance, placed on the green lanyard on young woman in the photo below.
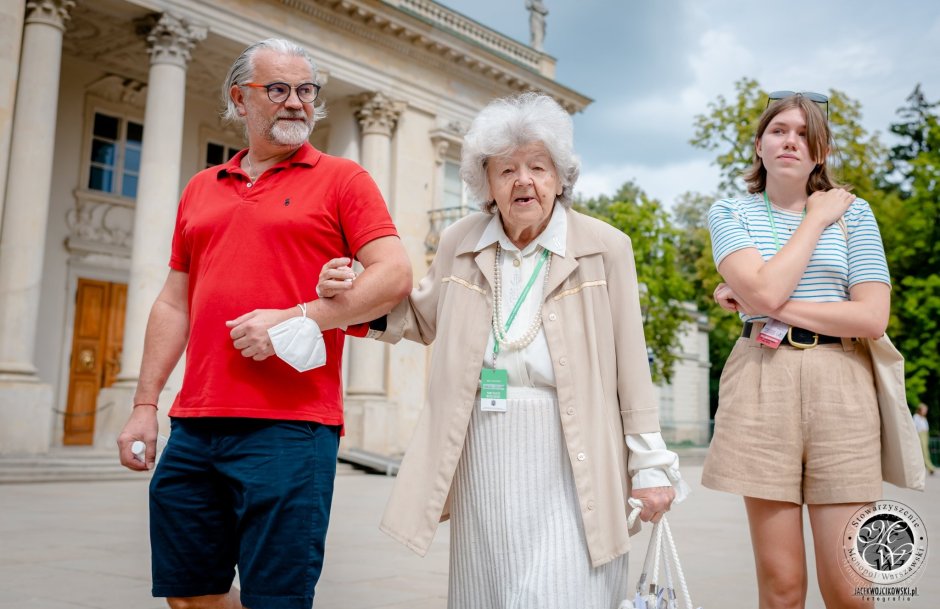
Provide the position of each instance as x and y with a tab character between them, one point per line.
773	225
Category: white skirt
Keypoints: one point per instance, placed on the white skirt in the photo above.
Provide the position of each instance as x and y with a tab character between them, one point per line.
516	536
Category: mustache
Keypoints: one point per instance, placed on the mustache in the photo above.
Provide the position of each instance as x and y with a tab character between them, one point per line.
292	116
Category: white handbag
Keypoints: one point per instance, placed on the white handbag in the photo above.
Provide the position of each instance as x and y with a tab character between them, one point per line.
902	463
651	591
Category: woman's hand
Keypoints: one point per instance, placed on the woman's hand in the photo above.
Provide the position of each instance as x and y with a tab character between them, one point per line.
726	298
336	276
656	501
828	206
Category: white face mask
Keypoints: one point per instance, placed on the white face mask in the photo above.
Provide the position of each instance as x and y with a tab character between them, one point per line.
299	342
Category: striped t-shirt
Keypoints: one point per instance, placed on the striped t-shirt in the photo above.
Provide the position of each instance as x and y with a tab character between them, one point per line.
838	263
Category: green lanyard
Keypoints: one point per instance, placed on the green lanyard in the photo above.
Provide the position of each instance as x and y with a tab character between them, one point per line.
773	225
525	292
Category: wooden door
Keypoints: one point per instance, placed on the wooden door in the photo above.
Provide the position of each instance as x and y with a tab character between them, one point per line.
96	353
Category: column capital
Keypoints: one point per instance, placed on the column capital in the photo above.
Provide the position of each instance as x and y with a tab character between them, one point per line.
49	12
377	113
170	39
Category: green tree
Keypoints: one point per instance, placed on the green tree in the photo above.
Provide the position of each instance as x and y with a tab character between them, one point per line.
912	245
663	287
695	254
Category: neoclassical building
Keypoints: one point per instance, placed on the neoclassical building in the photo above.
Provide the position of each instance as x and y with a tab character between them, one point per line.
108	107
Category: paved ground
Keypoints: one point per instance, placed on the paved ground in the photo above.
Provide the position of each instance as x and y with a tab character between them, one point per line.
84	545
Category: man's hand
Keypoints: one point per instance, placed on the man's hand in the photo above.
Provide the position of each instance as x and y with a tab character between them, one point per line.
656	501
142	425
336	276
250	331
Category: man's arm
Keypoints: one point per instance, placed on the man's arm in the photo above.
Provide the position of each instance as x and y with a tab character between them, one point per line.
384	282
164	341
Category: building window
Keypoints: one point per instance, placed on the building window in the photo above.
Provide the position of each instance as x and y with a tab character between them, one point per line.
216	154
453	186
115	155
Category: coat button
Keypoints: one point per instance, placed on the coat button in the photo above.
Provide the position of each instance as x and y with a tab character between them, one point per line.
552	317
563	361
570	411
581	456
249	184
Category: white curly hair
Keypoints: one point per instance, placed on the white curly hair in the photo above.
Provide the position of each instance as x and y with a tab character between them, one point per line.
509	123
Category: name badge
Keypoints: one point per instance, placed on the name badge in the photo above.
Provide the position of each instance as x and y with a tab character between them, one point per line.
772	333
493	389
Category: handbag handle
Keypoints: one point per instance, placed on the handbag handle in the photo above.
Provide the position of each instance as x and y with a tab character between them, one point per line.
656	556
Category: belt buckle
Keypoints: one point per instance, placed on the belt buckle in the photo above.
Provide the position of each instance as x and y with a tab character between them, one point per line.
800	345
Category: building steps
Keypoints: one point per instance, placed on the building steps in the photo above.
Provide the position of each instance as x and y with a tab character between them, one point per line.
80	464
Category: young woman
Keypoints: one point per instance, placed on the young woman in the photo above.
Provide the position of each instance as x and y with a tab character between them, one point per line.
798	421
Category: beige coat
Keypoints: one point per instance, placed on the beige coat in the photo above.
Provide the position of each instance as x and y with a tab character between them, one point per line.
592	322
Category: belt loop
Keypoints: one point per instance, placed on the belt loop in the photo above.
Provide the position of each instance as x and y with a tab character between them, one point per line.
756	327
848	343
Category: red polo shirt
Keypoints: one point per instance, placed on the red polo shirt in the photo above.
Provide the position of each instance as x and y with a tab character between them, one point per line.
261	245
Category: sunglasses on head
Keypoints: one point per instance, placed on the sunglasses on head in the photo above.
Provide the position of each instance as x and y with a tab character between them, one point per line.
819	98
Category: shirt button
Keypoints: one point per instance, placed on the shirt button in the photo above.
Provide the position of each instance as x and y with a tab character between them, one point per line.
581	456
590	505
563	361
570	411
516	262
552	317
249	184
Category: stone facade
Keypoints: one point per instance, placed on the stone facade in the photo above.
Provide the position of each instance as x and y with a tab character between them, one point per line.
116	106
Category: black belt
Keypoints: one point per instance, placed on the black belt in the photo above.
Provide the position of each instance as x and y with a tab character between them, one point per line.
801	338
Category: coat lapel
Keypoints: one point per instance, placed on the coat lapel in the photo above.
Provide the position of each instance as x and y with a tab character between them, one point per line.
580	241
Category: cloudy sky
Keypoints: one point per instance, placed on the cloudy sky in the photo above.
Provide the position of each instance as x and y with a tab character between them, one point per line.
652	65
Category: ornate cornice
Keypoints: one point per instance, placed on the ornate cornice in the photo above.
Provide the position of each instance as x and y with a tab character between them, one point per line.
446	137
170	39
49	12
120	90
425	31
377	113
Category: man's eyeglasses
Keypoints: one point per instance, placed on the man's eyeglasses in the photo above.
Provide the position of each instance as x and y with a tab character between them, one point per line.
819	98
278	92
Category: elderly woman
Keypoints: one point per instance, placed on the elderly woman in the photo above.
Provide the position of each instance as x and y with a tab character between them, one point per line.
540	408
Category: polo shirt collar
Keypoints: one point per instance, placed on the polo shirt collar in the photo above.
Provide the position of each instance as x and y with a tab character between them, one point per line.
306	155
553	238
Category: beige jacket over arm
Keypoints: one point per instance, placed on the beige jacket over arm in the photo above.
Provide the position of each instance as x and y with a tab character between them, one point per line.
592	321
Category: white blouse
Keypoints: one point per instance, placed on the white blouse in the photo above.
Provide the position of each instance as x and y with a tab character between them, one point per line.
650	462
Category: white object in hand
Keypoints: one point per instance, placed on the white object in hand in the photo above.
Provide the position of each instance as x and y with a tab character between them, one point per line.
139	449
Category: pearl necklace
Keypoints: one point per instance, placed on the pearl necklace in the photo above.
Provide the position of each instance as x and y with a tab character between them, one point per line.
498	327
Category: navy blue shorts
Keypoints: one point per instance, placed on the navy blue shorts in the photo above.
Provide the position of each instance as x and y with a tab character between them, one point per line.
248	492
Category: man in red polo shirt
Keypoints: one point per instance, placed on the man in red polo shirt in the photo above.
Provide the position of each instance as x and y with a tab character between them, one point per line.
247	476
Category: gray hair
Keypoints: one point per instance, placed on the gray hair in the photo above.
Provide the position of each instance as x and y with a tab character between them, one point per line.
505	125
243	70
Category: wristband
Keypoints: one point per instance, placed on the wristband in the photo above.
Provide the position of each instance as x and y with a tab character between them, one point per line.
146	404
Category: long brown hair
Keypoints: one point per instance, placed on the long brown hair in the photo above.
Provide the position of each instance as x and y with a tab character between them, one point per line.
818	138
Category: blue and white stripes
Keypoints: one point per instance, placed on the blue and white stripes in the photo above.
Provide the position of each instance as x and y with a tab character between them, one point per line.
839	262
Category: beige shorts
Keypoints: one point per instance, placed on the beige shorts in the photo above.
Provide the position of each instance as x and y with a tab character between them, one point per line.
796	425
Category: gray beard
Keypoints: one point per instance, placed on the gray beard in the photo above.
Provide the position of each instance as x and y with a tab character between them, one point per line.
289	133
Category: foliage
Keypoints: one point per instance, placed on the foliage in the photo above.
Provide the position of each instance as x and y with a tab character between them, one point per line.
695	254
663	286
912	244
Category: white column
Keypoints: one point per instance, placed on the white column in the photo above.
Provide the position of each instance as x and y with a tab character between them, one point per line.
12	14
169	42
26	209
378	117
26	403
